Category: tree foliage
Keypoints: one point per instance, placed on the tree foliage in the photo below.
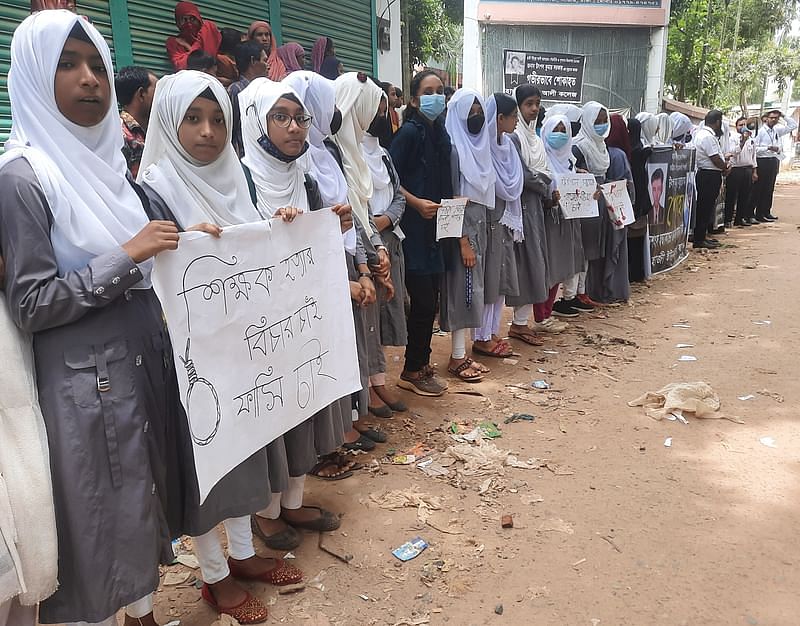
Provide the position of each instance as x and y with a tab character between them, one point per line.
715	59
435	29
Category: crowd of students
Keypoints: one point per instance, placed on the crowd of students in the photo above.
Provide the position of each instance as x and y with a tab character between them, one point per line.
86	207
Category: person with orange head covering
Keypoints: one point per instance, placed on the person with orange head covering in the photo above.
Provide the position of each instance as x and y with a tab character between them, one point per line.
195	33
261	32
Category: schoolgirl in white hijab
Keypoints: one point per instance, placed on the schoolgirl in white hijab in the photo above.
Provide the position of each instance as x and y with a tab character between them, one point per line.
509	177
649	124
681	127
591	138
531	147
279	181
558	146
358	98
195	192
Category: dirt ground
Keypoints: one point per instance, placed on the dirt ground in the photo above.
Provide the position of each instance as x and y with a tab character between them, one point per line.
616	528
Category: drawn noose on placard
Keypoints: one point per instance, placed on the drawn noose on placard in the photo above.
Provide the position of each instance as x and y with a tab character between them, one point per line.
199	389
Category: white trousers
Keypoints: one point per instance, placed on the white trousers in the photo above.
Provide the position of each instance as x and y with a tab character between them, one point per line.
491	320
575	285
209	553
138	609
459	343
292	498
522	314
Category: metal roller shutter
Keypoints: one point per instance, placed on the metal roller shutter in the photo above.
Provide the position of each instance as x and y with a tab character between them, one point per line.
151	22
12	12
349	23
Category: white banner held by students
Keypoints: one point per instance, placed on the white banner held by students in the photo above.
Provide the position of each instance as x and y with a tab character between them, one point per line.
450	218
618	203
577	196
262	330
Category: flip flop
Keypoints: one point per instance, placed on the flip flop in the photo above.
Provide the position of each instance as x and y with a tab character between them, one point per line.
329	462
460	372
501	350
529	337
479	366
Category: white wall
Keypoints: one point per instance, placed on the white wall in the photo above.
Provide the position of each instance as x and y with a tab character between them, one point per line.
656	67
390	62
472	70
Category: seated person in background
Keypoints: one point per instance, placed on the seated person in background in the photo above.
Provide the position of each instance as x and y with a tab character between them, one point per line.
195	33
202	62
226	58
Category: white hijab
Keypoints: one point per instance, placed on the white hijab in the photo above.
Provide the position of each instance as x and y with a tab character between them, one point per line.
681	125
278	184
318	94
509	177
649	124
81	169
570	111
195	192
664	130
358	101
382	187
476	172
561	161
593	146
531	147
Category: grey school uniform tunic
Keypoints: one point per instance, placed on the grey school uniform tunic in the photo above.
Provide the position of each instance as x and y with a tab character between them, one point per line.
393	312
593	229
500	267
107	390
531	253
458	309
245	489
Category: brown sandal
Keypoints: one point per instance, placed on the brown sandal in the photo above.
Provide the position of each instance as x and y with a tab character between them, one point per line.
479	366
501	350
526	335
281	574
460	372
250	611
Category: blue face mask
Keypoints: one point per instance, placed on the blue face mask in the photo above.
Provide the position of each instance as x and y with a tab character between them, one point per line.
431	105
601	129
557	140
538	131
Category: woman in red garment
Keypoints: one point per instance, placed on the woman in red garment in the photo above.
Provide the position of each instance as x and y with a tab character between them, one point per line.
195	33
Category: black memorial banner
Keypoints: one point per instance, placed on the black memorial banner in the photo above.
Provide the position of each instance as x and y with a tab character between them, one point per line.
669	230
559	76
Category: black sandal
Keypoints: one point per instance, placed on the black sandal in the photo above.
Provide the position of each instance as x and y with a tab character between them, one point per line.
330	461
362	443
326	522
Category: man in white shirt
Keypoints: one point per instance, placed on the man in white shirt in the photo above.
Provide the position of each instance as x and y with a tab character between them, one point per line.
711	167
769	153
744	173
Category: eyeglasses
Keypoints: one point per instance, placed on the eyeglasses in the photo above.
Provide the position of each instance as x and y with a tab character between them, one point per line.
284	121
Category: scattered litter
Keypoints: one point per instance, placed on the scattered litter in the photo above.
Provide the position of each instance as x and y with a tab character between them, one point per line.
771	394
682	325
668	442
531	498
540	384
749	396
344	558
410	549
175	622
549	351
681	346
487	458
470	437
508	361
225	620
289	589
316	582
430	468
172	579
413	621
364	597
556	525
769	442
403	459
188	560
489	430
559	470
541	371
579	562
507	521
687	357
289	555
498	609
697	398
519	417
610	541
762	322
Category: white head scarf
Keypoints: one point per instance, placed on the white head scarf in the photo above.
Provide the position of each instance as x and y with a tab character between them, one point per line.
570	111
195	192
476	172
318	94
593	146
382	188
531	147
278	184
681	125
561	161
358	101
649	124
508	172
81	169
664	130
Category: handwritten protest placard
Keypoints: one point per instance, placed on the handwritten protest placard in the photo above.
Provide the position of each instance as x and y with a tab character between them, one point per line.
577	195
450	218
262	330
618	203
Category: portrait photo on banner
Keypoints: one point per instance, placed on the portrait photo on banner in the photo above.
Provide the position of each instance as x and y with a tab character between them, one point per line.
515	62
657	190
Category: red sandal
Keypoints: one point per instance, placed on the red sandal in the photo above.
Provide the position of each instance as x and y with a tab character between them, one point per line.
250	611
280	575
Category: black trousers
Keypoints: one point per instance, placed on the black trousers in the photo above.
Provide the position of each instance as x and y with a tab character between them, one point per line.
738	186
708	185
765	185
423	291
